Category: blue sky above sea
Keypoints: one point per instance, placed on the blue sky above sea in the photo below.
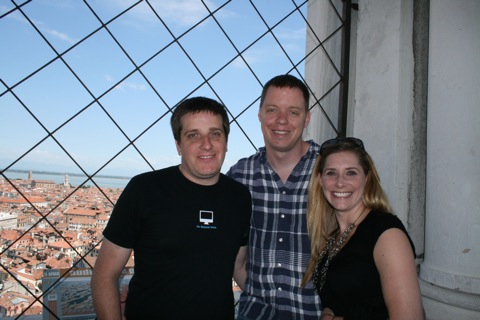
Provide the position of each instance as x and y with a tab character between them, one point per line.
110	116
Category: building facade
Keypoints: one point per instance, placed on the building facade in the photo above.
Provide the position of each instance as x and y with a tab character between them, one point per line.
414	100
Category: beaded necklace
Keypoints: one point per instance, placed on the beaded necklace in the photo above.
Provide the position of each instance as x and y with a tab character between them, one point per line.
330	250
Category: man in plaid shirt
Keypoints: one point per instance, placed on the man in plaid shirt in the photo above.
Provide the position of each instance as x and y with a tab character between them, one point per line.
277	176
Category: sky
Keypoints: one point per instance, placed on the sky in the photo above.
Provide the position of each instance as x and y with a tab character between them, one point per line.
86	87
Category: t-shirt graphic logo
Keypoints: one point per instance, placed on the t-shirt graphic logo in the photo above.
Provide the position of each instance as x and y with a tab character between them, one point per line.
206	217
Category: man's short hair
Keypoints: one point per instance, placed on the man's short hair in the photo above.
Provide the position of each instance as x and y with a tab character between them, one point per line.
289	81
196	105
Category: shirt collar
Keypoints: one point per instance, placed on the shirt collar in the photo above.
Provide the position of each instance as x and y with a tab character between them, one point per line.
314	147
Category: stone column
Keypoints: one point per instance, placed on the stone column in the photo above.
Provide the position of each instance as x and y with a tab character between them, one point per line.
450	273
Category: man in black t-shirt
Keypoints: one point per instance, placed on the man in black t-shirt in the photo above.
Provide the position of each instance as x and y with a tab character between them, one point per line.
187	226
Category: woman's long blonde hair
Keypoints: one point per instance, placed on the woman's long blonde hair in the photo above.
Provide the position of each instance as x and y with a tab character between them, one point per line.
321	221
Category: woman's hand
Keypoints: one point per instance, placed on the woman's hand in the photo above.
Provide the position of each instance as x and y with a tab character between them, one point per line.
327	314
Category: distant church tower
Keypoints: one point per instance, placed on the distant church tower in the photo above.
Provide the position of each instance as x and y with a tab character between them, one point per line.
65	181
30	175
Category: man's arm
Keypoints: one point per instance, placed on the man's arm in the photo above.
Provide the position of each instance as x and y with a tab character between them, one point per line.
240	272
105	292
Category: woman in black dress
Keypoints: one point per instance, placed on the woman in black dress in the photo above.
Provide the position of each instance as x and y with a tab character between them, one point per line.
363	260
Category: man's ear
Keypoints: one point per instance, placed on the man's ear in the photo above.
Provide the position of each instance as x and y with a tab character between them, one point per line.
307	119
177	145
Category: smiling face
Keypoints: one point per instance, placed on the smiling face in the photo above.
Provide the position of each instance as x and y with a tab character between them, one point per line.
343	181
283	117
202	146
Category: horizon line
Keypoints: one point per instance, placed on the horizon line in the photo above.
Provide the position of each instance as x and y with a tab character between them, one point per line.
65	173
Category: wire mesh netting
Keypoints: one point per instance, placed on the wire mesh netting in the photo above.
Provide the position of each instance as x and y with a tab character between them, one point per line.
86	92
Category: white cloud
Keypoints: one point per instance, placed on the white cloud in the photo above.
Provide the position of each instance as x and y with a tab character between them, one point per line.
3	9
60	35
41	25
126	84
109	78
289	34
251	57
184	12
133	86
179	12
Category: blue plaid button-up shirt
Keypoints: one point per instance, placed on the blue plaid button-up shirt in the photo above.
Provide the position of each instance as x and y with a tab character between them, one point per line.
279	246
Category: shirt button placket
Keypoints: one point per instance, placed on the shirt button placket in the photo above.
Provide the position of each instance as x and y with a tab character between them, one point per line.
283	231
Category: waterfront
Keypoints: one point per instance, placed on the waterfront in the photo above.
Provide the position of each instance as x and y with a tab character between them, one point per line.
74	180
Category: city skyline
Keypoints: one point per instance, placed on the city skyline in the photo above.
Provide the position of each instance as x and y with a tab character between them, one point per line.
32	245
74	179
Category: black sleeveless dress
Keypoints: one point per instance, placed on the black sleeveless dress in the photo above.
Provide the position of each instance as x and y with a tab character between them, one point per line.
352	288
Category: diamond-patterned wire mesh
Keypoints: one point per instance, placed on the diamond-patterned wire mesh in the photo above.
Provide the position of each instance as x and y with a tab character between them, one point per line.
87	88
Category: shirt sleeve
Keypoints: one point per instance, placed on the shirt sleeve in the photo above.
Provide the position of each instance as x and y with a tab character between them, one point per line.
124	223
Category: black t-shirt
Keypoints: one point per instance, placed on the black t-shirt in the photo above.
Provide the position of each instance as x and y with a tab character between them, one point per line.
185	239
353	288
